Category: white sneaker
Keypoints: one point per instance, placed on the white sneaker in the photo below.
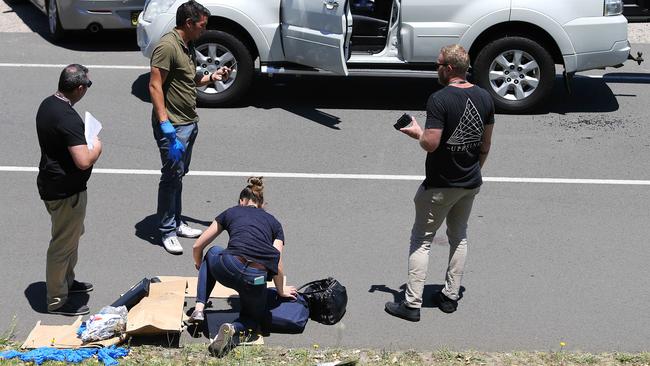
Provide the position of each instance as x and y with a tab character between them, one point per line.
172	245
185	231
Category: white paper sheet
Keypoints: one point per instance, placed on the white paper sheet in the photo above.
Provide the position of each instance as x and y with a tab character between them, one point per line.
91	130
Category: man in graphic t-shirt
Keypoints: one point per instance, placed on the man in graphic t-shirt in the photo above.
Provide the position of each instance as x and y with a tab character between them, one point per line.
457	139
65	166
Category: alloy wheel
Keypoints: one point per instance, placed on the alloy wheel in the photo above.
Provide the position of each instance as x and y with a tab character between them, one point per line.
209	58
514	75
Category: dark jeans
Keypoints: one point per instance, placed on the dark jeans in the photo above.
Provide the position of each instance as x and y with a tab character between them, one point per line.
170	187
230	272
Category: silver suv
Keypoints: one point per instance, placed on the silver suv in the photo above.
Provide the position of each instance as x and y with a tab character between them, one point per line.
514	44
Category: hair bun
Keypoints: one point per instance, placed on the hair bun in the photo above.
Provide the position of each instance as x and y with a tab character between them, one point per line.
255	183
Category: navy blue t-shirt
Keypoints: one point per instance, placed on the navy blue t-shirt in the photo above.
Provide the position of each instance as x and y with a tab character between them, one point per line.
252	232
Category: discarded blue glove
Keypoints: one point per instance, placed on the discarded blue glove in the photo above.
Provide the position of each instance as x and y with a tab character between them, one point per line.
176	150
106	355
168	130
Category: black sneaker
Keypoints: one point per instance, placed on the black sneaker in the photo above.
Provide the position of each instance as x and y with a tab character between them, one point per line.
80	287
71	309
445	304
400	310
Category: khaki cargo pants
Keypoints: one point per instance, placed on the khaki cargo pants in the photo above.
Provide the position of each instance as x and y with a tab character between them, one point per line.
67	227
432	207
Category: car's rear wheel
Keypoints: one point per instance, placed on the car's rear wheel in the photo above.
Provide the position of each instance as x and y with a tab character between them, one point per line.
216	49
54	21
518	72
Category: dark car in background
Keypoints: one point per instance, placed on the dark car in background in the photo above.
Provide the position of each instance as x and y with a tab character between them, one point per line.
636	10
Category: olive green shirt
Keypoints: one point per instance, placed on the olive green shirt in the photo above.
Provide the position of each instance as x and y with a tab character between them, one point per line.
179	88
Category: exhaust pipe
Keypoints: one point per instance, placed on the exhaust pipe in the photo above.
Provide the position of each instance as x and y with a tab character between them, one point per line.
94	28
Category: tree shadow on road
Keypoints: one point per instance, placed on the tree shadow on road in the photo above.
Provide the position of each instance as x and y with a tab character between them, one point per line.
429	291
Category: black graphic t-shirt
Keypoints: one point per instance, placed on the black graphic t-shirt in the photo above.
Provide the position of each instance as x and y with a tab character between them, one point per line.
461	113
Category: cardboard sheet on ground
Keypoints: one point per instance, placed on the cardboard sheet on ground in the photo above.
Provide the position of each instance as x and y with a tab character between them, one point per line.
219	291
62	336
161	311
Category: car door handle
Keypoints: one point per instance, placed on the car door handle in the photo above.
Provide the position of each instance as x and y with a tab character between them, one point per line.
331	4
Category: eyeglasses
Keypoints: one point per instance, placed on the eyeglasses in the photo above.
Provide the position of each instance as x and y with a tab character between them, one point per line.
442	64
89	83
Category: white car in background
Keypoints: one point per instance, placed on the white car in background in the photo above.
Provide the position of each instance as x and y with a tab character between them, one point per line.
514	45
93	15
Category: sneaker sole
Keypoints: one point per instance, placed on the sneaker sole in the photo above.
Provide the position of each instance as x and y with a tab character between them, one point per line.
220	347
80	291
68	313
187	236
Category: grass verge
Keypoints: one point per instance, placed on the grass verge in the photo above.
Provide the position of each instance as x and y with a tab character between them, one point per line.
196	354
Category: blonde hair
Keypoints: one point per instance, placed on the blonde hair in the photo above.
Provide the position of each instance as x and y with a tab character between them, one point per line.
254	190
455	56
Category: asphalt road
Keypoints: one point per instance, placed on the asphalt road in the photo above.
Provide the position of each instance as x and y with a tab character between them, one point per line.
548	262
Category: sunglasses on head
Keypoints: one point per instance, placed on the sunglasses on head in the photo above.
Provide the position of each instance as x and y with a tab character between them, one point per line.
88	84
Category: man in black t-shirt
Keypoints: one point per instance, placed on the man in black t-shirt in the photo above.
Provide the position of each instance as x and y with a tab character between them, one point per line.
457	138
65	166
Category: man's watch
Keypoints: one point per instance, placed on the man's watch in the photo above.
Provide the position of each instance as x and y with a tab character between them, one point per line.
211	78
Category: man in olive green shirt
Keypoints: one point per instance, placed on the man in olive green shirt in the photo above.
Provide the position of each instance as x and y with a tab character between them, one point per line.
173	86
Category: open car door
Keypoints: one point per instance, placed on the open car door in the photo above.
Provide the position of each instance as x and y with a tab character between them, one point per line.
317	33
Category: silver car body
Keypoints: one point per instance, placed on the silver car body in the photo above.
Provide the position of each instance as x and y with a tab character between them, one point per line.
108	14
316	33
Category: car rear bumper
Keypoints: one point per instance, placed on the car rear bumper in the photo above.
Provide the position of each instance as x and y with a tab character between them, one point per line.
598	42
111	14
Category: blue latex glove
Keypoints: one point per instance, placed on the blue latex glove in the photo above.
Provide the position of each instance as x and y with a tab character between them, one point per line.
176	150
168	130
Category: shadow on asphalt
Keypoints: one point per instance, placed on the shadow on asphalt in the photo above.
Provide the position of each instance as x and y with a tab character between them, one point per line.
106	40
36	294
429	291
147	228
305	96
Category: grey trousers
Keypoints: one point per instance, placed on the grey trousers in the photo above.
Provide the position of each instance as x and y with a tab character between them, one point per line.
67	227
432	207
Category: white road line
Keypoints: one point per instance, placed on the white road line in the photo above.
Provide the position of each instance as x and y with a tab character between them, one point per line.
58	66
205	173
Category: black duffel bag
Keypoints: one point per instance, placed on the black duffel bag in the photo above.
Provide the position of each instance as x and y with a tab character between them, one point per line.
327	300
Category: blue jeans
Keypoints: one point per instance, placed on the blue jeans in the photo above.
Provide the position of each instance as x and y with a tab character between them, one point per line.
230	272
170	187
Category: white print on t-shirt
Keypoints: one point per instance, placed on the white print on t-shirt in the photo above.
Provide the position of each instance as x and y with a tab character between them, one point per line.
469	132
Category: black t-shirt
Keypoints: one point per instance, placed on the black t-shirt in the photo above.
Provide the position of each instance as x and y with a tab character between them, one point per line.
461	113
252	232
59	126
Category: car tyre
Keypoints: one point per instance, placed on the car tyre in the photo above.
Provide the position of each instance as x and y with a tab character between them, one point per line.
518	72
57	33
215	49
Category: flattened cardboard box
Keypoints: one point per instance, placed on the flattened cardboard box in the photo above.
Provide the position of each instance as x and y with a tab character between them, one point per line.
62	336
160	312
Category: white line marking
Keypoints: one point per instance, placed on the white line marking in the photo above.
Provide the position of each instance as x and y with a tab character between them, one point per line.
58	66
205	173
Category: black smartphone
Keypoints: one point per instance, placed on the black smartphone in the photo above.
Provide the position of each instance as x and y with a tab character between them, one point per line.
403	121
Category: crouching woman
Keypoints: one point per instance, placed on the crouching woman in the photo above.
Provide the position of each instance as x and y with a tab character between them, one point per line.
253	254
